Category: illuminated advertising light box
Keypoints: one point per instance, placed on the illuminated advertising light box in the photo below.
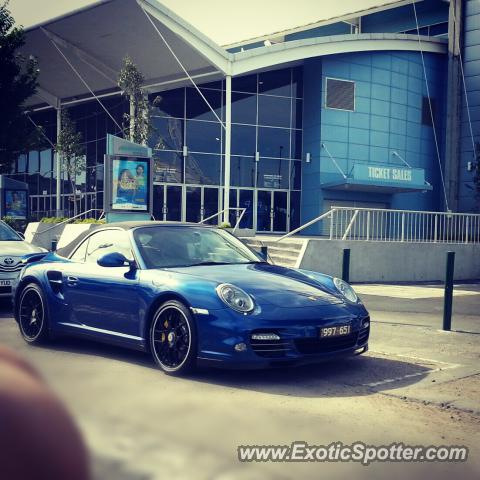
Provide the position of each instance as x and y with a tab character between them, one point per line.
16	205
128	182
130	186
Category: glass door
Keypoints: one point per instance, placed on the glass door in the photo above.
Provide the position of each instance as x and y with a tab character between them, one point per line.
264	210
193	203
210	204
201	203
173	203
272	211
159	202
280	212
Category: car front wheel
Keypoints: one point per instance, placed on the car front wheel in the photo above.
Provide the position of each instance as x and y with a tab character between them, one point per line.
32	314
173	338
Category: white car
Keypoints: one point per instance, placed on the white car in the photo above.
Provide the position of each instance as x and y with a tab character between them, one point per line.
12	248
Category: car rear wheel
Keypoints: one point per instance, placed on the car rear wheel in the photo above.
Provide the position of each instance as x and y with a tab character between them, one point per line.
173	338
32	314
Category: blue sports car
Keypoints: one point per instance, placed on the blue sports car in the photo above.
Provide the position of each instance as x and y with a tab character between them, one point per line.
190	295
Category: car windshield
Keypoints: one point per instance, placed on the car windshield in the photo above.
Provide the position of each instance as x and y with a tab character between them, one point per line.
170	246
7	234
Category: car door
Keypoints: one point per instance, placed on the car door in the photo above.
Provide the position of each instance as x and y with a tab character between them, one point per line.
103	299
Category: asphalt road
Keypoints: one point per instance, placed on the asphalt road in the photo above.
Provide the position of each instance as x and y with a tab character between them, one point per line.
417	385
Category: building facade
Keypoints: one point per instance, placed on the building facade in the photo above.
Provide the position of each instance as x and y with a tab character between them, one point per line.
348	112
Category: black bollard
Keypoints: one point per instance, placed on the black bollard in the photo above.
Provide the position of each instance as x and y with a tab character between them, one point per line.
448	298
346	265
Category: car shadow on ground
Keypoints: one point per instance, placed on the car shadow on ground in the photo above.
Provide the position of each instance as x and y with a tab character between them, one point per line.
352	376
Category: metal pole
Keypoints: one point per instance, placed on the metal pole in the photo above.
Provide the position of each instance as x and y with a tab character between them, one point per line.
228	136
58	163
448	299
346	265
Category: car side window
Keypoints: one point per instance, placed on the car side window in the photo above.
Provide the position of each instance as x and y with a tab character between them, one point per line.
79	255
108	241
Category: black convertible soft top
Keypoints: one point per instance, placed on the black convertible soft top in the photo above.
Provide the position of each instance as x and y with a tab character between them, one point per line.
68	249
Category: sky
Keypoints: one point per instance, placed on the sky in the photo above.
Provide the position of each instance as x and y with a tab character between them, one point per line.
224	21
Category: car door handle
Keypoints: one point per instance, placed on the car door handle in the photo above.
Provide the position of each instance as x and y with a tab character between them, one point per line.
72	281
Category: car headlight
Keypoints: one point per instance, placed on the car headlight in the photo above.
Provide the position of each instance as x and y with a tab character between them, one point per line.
235	298
346	290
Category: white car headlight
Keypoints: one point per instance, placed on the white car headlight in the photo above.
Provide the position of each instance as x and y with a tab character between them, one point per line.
235	298
346	290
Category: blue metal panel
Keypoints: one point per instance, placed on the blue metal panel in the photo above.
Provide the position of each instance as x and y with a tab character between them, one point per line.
387	118
471	58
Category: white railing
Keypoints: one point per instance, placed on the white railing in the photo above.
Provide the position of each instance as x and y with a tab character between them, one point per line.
384	225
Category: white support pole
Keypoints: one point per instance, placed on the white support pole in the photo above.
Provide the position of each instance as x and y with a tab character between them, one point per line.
58	163
228	136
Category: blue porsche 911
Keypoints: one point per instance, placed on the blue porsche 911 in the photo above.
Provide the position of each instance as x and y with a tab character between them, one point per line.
189	294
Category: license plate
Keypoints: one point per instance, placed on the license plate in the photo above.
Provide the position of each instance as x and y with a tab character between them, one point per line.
5	283
337	331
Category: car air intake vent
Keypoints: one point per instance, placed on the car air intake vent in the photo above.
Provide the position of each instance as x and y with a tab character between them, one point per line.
363	335
326	345
269	348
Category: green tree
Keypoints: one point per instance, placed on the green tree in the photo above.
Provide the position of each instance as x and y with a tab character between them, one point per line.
18	81
138	121
70	149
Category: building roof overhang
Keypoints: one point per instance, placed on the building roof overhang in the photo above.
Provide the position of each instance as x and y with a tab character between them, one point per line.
96	38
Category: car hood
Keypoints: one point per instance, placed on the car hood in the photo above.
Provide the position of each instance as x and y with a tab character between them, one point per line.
267	283
18	248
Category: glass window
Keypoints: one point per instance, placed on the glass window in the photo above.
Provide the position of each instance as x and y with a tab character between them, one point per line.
296	137
165	246
167	133
277	82
243	140
22	163
203	136
272	173
202	169
218	85
246	201
274	142
108	241
33	161
198	109
294	210
244	108
274	111
245	84
242	171
295	175
297	113
170	103
297	82
46	162
167	167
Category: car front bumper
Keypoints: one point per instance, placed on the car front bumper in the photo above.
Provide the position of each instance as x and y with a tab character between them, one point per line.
228	340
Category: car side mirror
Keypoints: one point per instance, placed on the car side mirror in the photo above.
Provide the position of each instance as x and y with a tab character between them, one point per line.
115	259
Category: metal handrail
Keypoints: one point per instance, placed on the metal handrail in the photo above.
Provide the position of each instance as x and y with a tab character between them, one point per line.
72	218
334	207
305	225
243	210
383	224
